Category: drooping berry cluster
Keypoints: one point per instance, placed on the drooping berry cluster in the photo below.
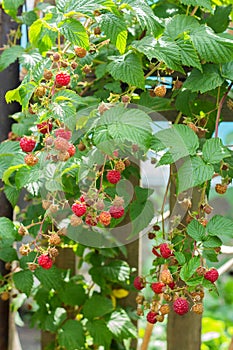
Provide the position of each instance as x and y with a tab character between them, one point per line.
170	291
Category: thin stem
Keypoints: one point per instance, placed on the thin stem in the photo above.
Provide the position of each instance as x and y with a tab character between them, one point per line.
194	11
164	202
178	118
59	41
220	109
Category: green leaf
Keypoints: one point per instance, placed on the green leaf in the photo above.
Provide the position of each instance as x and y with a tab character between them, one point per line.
100	333
71	335
193	172
8	254
127	68
220	226
194	281
212	242
31	59
163	49
42	35
29	17
210	255
74	31
7	231
97	306
196	230
114	27
10	55
213	151
204	81
25	92
13	95
180	257
115	271
180	139
145	16
23	281
227	70
11	6
219	21
189	268
210	46
72	294
68	95
9	148
85	7
50	279
26	176
179	24
141	215
200	3
12	194
185	101
156	103
120	325
123	125
189	56
211	286
7	174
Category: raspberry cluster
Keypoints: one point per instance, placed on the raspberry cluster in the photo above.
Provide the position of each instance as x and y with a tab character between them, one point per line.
170	291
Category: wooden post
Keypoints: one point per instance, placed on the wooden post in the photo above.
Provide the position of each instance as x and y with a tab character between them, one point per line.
183	332
9	79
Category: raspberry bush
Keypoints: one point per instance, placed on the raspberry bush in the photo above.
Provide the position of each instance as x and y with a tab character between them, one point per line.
93	73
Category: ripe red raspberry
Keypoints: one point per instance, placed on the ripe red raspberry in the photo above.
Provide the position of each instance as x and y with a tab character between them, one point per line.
79	209
211	275
171	285
27	144
30	159
61	144
151	317
105	218
113	176
158	287
116	212
160	91
155	252
165	250
181	306
62	79
80	51
82	198
45	261
139	283
64	133
91	220
44	127
71	150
